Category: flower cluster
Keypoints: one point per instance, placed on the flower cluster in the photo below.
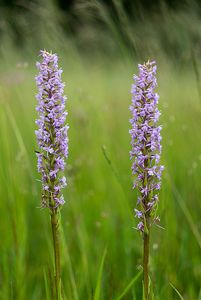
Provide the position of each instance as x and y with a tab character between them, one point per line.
52	131
146	143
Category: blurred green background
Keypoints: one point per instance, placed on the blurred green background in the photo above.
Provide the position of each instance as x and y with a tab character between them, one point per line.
99	44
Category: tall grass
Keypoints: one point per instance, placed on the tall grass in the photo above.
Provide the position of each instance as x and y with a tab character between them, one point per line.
98	214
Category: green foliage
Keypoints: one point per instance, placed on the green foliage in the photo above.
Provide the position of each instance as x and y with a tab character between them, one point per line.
128	287
177	292
97	294
99	199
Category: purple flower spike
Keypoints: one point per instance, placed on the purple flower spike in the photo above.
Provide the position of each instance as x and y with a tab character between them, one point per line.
52	131
146	143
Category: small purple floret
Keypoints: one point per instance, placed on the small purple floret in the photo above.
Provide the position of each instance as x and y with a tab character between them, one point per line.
52	130
146	143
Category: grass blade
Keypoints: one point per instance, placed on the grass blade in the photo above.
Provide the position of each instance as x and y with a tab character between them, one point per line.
177	292
69	265
116	175
131	283
47	287
187	214
100	272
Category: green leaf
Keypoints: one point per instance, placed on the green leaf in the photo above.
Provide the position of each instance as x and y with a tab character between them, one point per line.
131	283
99	279
178	293
187	213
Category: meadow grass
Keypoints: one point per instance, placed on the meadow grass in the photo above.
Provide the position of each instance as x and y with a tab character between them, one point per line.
101	252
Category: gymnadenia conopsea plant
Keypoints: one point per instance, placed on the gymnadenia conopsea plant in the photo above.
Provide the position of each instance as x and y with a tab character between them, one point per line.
145	154
53	146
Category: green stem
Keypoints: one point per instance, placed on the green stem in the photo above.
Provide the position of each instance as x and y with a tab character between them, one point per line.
56	243
146	264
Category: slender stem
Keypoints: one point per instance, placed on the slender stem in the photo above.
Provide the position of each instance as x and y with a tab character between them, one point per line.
146	237
56	243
